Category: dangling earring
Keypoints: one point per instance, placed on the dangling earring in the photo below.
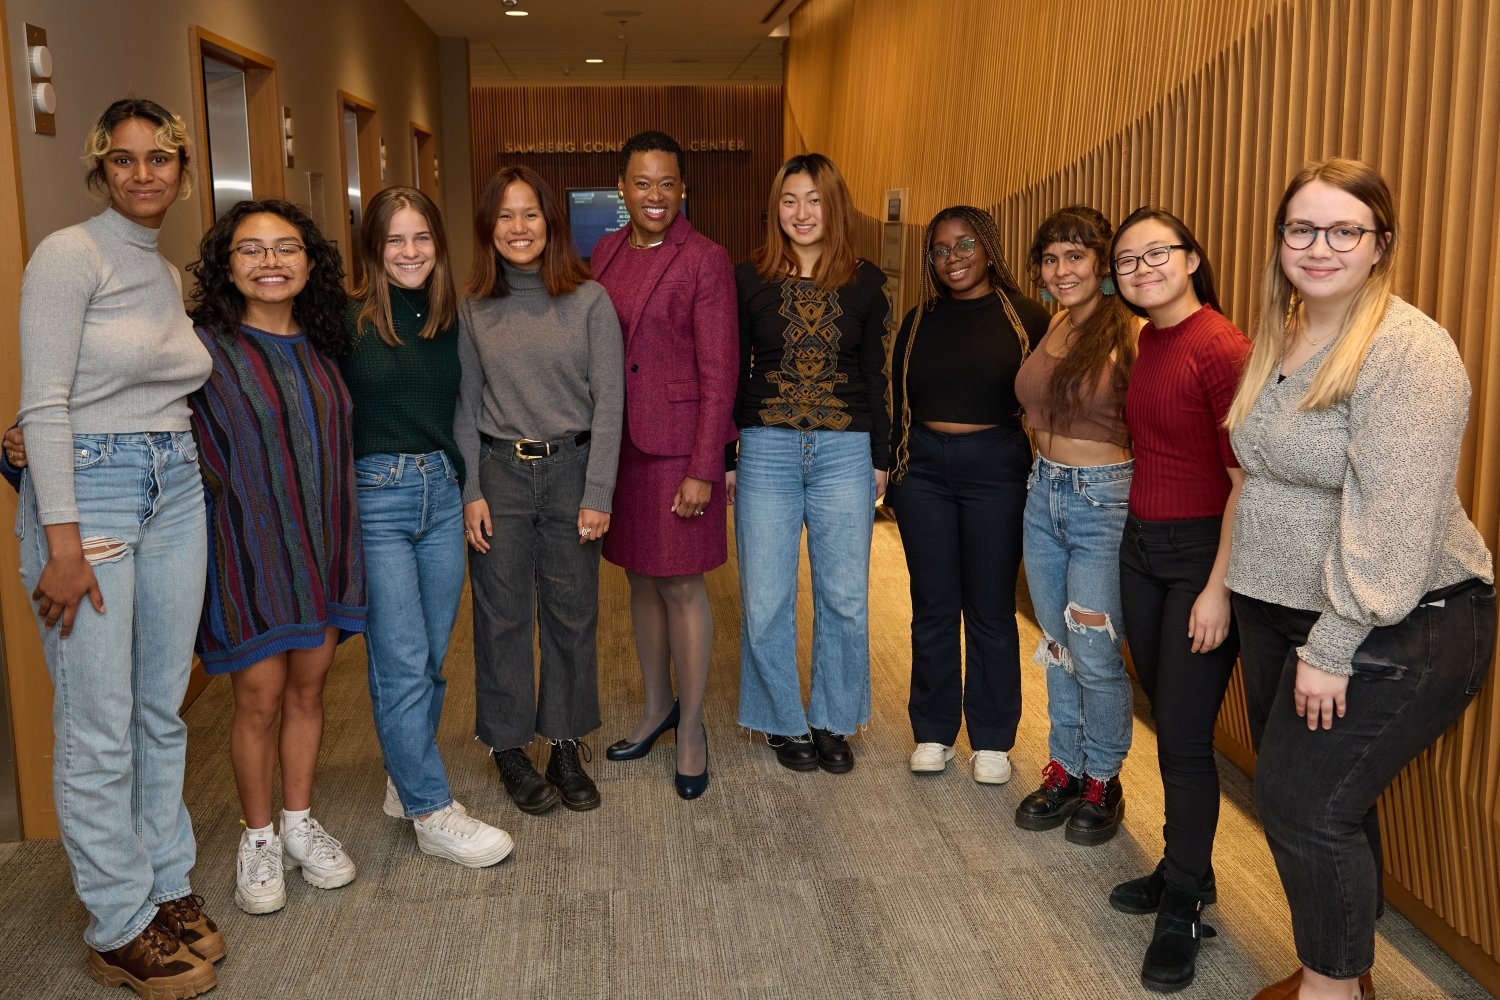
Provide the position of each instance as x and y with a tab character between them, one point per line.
1047	296
1107	286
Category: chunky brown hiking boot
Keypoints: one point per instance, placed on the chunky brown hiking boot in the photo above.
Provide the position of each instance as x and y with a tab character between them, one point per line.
187	922
156	965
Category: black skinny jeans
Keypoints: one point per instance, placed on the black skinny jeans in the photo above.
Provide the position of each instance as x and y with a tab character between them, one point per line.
959	510
1316	790
1164	566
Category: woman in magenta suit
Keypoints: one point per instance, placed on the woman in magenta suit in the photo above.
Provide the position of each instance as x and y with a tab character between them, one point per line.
674	291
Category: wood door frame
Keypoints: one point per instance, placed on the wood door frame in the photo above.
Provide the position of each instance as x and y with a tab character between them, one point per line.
262	115
367	123
424	168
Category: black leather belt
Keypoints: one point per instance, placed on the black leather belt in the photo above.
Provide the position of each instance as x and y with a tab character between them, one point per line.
528	450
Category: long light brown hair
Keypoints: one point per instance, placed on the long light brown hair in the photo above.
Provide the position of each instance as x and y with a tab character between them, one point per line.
562	269
1281	308
775	260
374	291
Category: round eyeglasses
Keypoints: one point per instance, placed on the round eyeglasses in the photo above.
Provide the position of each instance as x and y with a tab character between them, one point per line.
961	250
252	254
1340	238
1156	257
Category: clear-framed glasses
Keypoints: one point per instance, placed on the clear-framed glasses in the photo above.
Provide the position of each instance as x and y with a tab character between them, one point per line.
961	250
1340	238
252	254
1156	257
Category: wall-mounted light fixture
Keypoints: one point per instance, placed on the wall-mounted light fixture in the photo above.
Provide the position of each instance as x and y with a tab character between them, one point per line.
286	137
43	94
382	160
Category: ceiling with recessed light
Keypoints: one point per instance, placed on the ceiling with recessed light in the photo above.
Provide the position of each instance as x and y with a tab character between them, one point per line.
637	41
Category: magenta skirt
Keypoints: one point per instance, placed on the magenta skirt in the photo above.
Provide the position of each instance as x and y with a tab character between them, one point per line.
645	537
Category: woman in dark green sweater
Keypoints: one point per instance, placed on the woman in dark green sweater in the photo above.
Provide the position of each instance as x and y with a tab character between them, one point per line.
403	374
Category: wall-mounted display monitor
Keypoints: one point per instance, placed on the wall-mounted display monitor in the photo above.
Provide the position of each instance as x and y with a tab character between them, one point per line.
593	212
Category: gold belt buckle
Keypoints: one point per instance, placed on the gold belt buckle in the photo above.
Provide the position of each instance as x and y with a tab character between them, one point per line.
524	442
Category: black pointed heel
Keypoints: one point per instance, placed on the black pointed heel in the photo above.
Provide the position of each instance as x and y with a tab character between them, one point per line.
690	786
626	750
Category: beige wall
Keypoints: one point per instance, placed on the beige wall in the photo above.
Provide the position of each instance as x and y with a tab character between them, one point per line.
1207	108
377	50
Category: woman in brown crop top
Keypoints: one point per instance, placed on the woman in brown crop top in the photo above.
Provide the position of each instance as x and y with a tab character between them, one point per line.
1072	388
959	457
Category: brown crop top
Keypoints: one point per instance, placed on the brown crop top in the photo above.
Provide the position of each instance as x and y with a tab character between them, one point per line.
1101	413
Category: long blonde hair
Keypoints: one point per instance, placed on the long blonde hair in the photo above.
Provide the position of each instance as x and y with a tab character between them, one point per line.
1281	307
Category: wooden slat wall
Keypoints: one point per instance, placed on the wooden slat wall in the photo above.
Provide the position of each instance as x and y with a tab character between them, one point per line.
1207	109
726	190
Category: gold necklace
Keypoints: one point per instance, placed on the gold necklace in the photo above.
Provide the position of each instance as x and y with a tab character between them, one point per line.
643	246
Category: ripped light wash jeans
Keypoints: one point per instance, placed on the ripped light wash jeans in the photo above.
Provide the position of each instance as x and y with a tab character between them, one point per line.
1071	543
120	677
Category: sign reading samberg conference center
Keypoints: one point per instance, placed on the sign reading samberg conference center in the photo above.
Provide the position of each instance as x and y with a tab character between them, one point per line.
613	146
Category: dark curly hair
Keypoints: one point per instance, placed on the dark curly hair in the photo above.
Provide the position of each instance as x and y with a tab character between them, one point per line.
218	306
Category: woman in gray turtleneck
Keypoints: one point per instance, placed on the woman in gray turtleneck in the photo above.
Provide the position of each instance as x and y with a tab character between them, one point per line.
539	416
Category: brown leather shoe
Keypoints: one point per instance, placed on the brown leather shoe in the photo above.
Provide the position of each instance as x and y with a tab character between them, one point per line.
187	922
1288	988
154	964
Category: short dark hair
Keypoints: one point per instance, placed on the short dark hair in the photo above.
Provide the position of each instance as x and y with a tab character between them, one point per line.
218	306
650	142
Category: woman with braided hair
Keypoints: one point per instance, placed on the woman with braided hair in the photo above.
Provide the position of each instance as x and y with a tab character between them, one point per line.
959	460
1073	389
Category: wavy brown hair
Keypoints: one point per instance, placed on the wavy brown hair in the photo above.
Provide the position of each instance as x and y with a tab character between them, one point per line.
774	259
562	269
1105	342
219	307
374	290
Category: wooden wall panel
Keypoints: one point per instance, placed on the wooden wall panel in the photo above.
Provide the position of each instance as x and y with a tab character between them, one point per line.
727	189
1207	111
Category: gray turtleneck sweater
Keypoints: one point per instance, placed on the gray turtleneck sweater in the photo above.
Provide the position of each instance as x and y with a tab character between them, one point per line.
542	368
106	348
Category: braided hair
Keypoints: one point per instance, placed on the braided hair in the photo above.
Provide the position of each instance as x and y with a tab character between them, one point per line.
1002	283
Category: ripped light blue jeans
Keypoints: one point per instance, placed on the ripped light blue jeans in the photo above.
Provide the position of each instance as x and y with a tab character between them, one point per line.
1071	545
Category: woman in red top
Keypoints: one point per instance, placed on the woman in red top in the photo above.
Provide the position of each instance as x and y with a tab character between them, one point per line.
1173	560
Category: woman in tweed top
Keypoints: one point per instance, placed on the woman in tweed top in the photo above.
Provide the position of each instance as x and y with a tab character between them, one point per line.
1363	593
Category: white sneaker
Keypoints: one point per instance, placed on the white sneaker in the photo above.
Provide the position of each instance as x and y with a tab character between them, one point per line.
453	834
324	862
258	883
928	758
991	767
392	805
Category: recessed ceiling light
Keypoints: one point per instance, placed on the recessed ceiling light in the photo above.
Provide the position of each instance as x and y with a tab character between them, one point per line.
593	60
517	13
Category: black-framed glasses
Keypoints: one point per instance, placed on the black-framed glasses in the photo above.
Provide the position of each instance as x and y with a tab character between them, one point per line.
1156	257
961	250
1340	238
253	253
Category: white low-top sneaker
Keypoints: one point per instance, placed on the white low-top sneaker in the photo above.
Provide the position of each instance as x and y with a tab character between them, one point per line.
324	862
258	883
991	767
453	834
929	758
392	804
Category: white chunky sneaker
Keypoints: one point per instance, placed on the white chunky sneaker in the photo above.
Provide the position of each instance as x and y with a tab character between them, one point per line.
324	862
392	805
929	758
991	767
258	883
453	834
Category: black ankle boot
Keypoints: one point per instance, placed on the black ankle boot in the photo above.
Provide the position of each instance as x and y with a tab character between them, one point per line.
1050	805
1143	895
528	790
1172	956
1100	809
566	771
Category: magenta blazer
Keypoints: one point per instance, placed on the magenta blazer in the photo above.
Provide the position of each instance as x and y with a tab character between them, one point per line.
682	354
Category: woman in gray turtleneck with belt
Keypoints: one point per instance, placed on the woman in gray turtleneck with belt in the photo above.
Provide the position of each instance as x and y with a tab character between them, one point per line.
539	418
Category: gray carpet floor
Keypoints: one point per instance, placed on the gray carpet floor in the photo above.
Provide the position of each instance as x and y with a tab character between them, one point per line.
874	884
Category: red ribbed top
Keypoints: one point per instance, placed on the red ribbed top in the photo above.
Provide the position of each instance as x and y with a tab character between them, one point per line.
1180	389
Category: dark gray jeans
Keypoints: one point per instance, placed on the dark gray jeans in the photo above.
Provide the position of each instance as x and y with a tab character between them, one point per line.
536	576
1316	789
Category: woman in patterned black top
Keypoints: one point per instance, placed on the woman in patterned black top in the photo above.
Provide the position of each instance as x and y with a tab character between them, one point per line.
812	452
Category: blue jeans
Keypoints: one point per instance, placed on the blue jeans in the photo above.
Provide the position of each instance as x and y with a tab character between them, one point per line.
119	679
1315	790
824	480
959	509
412	519
1074	519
